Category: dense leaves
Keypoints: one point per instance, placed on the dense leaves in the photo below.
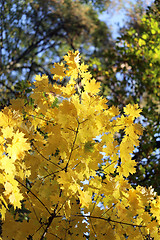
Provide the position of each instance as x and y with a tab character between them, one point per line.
60	154
46	121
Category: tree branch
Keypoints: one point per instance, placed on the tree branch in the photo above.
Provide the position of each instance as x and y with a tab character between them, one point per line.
34	195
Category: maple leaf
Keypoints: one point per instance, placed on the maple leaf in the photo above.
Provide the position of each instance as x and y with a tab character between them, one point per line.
92	86
18	147
7	165
15	199
72	59
85	198
113	111
58	71
7	132
132	110
8	188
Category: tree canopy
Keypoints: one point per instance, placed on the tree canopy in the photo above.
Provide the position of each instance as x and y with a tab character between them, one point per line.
68	105
71	184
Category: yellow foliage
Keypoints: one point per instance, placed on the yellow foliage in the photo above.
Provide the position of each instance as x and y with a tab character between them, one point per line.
69	182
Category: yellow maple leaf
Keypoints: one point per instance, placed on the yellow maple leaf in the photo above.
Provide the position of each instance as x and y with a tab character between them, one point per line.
72	58
58	71
15	199
132	110
85	198
18	147
7	165
92	86
7	132
8	188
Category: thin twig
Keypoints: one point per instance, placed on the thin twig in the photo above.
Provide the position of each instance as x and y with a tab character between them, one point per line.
50	174
46	158
109	209
95	203
110	220
41	118
92	226
51	218
72	147
33	195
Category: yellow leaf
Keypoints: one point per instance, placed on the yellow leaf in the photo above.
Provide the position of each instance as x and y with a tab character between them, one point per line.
18	147
132	110
7	132
58	71
92	86
15	199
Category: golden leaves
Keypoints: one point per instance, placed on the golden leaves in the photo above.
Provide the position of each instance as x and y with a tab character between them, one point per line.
73	172
13	148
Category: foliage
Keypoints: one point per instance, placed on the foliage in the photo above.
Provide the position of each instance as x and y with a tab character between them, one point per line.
144	49
132	76
61	159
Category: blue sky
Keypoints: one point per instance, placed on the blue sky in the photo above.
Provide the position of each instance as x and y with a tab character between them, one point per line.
116	19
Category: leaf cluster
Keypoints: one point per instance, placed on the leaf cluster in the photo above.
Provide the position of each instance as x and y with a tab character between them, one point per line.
55	147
